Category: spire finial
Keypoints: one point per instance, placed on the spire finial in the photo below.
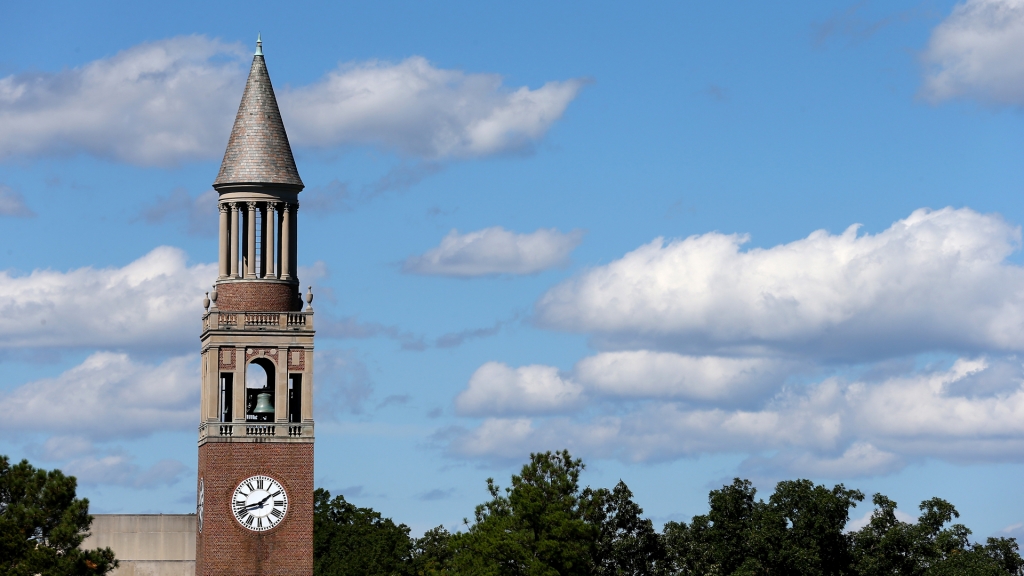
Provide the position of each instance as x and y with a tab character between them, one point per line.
259	44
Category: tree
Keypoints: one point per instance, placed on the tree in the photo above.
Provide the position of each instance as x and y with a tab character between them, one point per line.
42	524
720	541
432	553
806	529
353	541
535	527
799	531
627	544
887	545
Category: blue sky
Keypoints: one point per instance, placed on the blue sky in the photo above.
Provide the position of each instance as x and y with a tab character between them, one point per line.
621	230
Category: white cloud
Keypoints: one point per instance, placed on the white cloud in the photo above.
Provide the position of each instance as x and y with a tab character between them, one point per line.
121	470
829	429
855	524
173	100
12	203
107	396
157	103
495	251
975	53
647	374
937	280
497	388
155	301
423	111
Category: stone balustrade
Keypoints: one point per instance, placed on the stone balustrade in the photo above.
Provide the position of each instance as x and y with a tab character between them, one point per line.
248	431
217	320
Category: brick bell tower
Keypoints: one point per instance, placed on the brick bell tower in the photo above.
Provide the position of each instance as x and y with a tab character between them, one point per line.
255	486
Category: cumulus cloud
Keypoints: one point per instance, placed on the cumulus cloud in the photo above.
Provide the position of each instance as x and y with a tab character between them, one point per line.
122	470
13	204
173	100
157	103
649	374
107	396
831	356
497	388
155	301
833	428
975	53
494	251
937	280
422	110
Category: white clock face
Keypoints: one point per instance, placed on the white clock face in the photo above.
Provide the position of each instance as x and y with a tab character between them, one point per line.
259	503
199	505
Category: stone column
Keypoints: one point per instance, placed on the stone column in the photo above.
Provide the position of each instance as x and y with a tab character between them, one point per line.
238	386
294	241
233	240
279	269
282	386
263	240
268	246
286	242
250	245
224	251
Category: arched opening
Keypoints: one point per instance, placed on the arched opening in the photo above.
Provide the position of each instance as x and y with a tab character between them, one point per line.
259	391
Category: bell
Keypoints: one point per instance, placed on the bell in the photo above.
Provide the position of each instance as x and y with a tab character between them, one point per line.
263	405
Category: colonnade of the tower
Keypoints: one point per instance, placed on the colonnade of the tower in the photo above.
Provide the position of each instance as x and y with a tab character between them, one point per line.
257	240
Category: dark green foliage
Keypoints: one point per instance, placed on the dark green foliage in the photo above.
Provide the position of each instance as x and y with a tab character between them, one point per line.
536	527
927	548
42	524
803	529
799	531
544	524
627	543
432	554
352	541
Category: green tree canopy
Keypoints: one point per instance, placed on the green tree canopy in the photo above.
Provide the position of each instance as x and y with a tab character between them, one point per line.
353	541
42	524
889	546
545	524
536	527
800	530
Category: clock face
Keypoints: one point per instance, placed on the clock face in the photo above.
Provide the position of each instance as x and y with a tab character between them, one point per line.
259	503
199	506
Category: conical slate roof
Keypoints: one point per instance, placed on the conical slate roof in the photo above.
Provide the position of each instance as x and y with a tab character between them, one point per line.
258	151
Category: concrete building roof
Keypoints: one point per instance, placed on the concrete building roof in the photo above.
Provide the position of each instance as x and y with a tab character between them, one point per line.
258	151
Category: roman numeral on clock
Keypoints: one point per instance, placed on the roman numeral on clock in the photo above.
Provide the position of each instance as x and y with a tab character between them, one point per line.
248	519
276	512
278	502
259	483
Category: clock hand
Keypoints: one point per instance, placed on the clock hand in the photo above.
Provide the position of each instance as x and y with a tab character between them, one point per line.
258	504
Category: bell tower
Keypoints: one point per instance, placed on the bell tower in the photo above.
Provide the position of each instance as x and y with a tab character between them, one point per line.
255	486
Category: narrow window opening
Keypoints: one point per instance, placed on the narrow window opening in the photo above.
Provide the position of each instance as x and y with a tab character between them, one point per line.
226	389
295	398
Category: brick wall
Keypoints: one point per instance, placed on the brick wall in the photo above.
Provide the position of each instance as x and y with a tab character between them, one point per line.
224	547
257	296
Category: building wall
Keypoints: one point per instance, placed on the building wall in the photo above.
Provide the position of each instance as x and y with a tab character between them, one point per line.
147	544
225	547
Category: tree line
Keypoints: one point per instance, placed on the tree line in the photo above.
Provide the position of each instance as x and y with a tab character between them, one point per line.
544	524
